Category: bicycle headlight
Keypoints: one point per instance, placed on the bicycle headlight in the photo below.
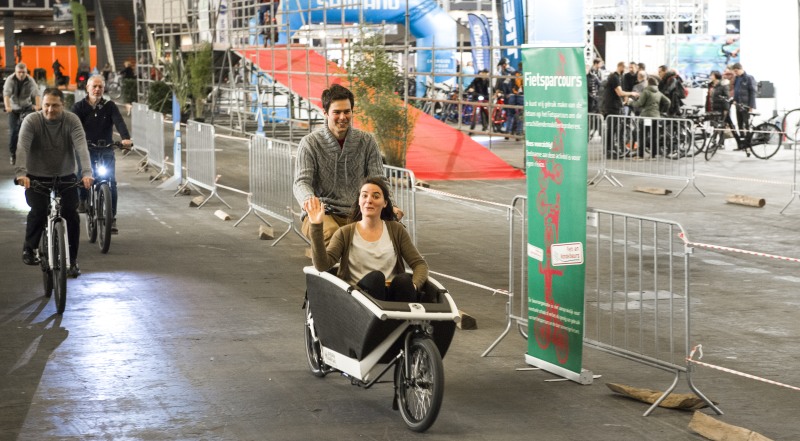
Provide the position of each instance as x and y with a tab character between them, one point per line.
102	170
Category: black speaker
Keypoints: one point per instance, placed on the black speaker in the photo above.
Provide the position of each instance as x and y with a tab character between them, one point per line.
766	89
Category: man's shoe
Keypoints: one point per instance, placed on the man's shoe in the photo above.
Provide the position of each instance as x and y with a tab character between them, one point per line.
13	158
82	206
114	229
29	257
74	271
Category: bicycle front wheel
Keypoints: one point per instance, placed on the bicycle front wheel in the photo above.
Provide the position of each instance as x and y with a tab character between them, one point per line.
766	140
91	217
47	273
114	90
700	138
60	266
420	393
791	125
105	218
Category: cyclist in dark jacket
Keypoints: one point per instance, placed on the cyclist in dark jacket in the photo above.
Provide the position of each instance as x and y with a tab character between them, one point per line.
99	117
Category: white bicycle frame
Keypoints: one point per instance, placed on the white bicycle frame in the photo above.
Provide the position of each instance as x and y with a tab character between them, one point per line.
55	202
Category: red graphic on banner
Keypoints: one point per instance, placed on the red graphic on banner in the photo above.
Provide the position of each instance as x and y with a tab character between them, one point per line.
548	327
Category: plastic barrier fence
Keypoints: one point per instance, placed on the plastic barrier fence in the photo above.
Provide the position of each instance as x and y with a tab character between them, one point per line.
201	166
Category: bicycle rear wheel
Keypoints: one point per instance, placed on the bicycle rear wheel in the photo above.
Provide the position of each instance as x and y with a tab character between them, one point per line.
60	266
420	395
714	143
700	138
47	273
766	140
313	353
105	218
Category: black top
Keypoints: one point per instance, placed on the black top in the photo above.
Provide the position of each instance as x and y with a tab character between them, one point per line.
612	103
628	81
99	121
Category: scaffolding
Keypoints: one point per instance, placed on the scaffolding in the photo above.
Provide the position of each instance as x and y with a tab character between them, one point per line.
272	58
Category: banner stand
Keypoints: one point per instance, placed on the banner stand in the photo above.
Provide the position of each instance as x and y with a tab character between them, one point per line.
585	377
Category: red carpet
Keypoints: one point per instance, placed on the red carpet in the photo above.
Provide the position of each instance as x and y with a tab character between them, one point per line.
438	152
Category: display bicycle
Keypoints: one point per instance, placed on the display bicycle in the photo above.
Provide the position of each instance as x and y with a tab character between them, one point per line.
350	332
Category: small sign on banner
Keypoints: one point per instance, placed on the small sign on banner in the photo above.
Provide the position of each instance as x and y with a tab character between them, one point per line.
535	252
567	253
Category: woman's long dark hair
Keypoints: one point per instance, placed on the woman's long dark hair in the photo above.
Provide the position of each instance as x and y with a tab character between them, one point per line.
388	211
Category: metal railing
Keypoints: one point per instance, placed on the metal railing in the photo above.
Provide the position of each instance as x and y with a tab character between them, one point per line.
517	304
653	147
640	306
201	169
795	187
271	180
403	185
139	128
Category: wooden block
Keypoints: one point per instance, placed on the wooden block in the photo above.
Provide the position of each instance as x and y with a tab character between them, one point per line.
423	184
196	201
467	321
749	201
265	232
718	431
649	396
222	215
653	190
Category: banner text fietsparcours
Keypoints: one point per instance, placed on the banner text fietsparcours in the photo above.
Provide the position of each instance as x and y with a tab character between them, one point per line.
547	81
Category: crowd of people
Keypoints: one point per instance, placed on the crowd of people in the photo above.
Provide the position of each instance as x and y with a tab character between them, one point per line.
630	90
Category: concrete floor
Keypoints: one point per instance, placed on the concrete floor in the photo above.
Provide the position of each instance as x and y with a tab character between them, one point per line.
191	329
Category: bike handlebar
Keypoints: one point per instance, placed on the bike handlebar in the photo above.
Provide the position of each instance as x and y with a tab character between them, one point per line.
103	145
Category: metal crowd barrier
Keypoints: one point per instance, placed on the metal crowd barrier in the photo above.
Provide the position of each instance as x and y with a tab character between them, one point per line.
139	128
795	187
640	306
594	154
271	181
154	139
201	165
517	304
403	185
652	147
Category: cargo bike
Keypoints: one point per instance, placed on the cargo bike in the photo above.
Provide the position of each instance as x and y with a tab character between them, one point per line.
350	332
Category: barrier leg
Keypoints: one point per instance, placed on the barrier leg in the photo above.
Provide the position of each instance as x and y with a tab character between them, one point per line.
503	334
666	393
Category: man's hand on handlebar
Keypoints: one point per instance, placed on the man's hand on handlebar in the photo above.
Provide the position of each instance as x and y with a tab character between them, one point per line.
87	182
127	144
24	181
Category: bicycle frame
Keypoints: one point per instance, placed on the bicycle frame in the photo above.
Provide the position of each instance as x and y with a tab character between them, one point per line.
53	216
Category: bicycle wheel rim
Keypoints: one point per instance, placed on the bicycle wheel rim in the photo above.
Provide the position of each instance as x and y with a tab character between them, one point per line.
59	267
769	138
105	218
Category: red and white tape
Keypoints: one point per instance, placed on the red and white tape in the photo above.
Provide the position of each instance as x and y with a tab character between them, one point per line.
737	250
699	348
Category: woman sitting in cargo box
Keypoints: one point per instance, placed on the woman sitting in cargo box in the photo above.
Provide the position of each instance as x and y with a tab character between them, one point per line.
371	249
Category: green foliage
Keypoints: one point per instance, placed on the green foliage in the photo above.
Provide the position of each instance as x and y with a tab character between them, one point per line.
177	77
159	97
200	67
373	76
129	90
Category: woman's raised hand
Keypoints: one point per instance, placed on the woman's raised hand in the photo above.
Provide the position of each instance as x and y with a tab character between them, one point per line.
315	209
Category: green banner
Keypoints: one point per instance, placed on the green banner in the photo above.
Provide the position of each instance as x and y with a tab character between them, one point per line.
555	151
81	25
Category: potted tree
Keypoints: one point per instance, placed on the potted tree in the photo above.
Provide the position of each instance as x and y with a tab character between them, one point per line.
200	65
373	75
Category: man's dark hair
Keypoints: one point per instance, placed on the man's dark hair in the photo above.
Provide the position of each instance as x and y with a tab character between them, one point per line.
652	81
597	61
335	93
663	67
53	91
716	74
642	66
737	66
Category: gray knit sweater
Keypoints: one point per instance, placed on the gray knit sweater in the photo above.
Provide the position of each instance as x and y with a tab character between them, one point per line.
51	148
334	174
